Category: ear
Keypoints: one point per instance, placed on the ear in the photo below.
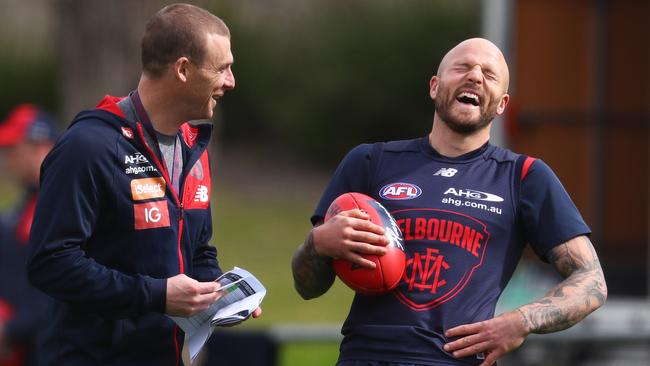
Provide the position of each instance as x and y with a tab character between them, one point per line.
503	103
182	69
433	86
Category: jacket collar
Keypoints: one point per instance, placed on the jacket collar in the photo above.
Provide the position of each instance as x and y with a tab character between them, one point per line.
110	112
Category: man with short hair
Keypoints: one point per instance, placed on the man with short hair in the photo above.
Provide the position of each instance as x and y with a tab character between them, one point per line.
122	227
26	136
469	211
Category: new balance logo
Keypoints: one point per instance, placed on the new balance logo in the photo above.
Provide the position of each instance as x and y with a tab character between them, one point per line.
201	194
446	172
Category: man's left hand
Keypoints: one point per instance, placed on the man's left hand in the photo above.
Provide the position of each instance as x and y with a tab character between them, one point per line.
493	338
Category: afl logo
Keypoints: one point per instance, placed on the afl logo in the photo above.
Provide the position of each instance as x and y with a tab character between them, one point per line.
400	191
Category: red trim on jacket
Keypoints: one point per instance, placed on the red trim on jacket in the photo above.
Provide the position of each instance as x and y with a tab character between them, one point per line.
109	103
190	133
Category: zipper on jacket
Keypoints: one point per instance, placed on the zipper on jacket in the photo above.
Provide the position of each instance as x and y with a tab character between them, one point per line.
175	195
181	220
179	205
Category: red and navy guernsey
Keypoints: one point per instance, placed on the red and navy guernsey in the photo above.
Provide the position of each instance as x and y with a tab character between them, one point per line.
465	221
108	230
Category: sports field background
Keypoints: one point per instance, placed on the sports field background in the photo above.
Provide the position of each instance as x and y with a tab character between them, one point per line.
261	213
313	78
261	206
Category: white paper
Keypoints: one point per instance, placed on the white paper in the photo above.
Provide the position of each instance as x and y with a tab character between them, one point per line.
243	293
196	341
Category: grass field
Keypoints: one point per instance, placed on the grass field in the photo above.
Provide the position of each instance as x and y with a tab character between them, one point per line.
260	233
312	354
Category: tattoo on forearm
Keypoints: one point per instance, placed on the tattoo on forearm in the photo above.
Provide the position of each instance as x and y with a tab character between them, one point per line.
312	274
582	291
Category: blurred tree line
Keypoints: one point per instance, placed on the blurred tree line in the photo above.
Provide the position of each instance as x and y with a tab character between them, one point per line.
27	77
313	78
316	78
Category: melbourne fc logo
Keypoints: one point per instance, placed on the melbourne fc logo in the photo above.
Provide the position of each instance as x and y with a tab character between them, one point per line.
443	250
400	191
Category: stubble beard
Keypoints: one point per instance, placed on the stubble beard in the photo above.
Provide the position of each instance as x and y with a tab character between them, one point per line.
463	126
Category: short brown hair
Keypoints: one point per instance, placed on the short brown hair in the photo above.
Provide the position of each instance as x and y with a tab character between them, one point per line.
178	30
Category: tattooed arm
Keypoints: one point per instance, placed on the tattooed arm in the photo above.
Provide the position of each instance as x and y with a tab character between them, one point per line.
582	291
347	236
312	273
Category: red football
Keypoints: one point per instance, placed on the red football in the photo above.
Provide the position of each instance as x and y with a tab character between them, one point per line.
389	267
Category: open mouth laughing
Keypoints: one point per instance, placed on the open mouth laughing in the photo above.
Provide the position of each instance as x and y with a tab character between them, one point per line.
469	98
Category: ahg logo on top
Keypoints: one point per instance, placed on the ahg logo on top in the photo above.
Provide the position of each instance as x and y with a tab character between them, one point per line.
136	158
400	191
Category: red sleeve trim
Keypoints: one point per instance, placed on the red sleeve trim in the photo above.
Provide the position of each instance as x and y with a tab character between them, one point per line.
527	164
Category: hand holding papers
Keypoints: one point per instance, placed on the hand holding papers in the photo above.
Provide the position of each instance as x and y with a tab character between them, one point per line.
242	294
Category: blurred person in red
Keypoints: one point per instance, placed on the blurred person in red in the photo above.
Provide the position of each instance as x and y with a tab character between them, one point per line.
26	136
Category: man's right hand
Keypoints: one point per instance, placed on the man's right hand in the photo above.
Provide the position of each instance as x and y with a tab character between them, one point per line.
349	235
186	296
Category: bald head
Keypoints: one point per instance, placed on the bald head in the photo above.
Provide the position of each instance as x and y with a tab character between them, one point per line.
478	51
470	88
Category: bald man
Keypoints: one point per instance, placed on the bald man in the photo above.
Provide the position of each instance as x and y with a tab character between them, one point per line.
470	210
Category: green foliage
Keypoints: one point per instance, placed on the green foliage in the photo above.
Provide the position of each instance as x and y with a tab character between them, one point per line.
29	76
322	79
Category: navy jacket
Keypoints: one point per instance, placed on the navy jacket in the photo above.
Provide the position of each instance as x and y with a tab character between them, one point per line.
109	230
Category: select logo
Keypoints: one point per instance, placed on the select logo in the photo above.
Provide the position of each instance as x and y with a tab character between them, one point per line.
400	191
151	215
145	188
